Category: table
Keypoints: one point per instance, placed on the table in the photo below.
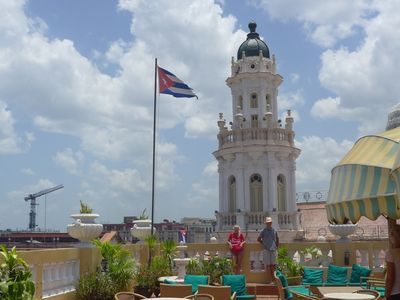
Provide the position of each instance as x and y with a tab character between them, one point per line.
169	298
323	290
349	296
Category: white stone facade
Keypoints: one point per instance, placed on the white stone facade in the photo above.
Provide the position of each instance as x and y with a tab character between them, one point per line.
256	155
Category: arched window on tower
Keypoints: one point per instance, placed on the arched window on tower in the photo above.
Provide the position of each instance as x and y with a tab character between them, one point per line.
240	102
231	194
256	193
253	101
268	101
281	186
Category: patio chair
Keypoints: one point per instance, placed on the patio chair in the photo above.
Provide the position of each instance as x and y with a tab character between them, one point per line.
374	293
238	286
175	290
128	296
221	292
287	292
195	280
200	297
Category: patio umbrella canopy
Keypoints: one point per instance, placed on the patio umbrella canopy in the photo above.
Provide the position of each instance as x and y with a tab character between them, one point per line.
365	182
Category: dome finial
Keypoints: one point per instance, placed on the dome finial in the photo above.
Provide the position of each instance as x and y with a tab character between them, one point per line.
252	26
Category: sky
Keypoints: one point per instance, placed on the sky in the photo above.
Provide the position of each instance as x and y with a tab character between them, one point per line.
76	97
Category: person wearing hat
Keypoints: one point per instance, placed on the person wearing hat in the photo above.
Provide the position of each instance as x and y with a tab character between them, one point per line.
236	242
269	238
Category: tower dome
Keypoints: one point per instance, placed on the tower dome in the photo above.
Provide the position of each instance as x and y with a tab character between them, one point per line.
253	44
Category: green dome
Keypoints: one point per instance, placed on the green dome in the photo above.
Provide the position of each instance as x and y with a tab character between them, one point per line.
252	45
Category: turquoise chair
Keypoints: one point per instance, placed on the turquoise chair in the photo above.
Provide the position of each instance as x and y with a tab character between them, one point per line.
238	286
195	280
286	292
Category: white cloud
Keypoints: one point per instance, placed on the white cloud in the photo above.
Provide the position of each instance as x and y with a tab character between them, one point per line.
28	171
69	160
318	156
364	79
324	21
10	142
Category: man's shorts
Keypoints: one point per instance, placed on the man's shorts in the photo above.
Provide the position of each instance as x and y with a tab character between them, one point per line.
269	257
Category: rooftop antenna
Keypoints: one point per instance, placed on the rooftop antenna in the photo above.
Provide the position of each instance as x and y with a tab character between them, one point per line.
32	198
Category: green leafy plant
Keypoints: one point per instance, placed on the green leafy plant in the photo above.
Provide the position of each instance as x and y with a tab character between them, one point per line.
95	286
85	209
115	273
15	277
143	215
287	265
214	266
168	250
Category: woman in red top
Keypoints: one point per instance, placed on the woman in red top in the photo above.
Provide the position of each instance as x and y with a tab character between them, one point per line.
236	242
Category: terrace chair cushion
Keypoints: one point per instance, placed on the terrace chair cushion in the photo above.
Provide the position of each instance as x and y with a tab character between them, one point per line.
357	272
336	275
313	276
238	285
195	280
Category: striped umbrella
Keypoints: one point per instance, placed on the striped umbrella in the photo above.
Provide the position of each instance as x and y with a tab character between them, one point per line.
365	182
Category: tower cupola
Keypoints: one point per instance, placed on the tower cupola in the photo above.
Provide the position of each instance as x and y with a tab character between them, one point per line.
253	44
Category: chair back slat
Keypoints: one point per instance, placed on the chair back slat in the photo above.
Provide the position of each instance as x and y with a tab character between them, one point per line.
175	290
218	292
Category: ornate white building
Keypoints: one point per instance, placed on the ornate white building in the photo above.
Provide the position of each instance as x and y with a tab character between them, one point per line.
256	155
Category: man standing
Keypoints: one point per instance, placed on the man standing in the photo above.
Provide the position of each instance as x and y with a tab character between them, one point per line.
269	238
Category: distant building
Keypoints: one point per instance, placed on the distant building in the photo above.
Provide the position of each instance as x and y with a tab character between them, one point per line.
199	230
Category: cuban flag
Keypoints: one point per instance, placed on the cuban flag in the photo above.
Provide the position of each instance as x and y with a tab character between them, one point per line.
168	83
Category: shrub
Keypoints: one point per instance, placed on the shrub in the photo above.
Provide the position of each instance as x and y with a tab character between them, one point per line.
15	277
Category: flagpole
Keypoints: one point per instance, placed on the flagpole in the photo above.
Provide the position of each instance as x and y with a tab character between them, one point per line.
154	147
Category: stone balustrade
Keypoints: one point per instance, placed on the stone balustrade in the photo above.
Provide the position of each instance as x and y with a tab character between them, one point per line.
285	220
261	136
55	271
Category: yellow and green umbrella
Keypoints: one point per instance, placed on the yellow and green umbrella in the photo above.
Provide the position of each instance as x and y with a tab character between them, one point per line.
365	182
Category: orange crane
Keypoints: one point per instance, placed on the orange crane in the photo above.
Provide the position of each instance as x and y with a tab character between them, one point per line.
32	198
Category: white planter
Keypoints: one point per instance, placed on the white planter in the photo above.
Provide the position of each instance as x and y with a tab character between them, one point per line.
343	231
141	229
84	228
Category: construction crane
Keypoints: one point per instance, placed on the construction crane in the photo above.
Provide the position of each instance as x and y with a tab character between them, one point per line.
32	198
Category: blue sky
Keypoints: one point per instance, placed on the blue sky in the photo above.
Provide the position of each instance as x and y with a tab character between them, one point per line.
76	85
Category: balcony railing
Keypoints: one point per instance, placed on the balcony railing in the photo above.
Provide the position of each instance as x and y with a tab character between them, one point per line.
57	270
262	136
255	220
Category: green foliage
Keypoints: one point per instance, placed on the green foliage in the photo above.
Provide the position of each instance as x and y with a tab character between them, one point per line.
95	286
119	268
143	215
85	209
168	250
15	277
214	266
312	250
147	275
287	265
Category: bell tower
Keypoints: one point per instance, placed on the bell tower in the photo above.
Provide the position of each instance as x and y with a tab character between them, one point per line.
256	155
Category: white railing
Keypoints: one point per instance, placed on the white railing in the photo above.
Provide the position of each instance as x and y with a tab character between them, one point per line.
59	278
264	136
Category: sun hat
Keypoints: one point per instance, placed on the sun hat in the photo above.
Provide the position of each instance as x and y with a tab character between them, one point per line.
268	220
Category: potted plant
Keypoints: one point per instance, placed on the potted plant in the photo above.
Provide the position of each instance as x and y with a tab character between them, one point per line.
142	227
213	266
292	269
113	275
15	277
84	228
